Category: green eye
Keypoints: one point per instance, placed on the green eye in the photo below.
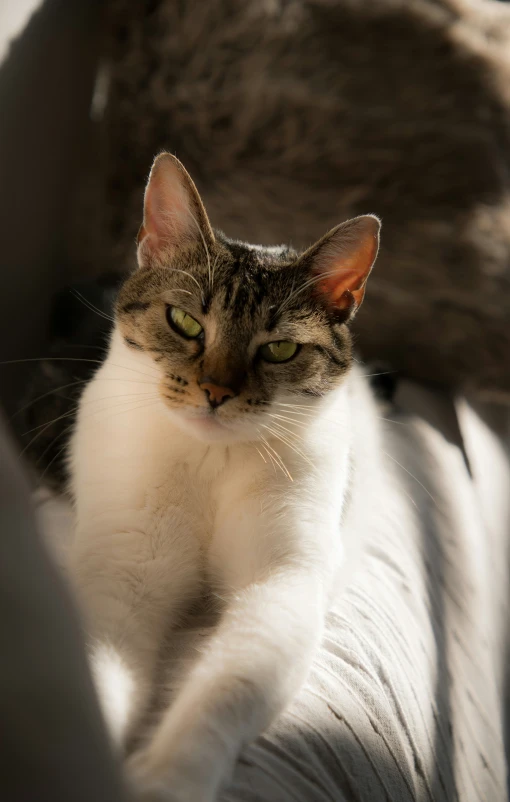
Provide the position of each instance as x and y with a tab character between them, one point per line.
184	323
280	351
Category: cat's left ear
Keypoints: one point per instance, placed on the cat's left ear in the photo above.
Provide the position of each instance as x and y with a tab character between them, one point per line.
173	214
341	262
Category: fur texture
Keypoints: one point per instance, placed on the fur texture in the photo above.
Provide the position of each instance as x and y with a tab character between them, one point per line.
201	464
293	114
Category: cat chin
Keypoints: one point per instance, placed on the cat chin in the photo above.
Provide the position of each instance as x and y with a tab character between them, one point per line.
209	429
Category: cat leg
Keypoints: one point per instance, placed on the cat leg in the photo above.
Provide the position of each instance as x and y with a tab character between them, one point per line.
133	584
254	663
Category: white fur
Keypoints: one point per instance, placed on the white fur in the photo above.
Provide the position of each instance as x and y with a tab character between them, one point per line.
161	513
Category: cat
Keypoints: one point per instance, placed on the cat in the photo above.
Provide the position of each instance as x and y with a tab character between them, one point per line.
214	450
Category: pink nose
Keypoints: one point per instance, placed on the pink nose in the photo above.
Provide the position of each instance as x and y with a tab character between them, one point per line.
215	393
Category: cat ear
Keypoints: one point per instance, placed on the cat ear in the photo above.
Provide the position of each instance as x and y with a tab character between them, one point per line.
174	216
342	261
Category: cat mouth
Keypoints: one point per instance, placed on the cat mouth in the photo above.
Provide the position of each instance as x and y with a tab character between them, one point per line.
207	423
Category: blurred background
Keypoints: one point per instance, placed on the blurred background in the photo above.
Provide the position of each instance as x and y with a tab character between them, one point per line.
291	115
48	54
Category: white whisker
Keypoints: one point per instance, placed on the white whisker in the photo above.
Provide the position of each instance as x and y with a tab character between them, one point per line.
284	428
288	443
78	359
280	462
261	454
68	429
313	280
314	416
412	476
45	395
206	249
213	270
185	272
271	459
89	305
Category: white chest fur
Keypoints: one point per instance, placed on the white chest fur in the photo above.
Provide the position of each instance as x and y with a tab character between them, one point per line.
157	512
131	463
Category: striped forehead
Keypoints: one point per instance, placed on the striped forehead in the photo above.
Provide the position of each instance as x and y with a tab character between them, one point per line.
251	282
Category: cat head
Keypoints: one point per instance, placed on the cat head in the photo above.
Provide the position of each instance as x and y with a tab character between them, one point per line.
240	333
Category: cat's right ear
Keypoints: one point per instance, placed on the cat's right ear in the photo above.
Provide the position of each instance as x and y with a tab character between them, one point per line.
174	217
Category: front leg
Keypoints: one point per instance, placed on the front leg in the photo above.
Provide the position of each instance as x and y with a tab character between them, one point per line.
254	663
133	578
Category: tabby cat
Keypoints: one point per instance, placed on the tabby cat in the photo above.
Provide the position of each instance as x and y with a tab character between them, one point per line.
213	453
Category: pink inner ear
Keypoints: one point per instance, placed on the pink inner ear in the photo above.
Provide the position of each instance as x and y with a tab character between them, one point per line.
174	216
167	217
346	271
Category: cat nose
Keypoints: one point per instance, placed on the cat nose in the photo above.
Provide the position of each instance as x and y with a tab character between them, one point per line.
215	393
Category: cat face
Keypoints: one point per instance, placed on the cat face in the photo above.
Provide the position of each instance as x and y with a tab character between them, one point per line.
241	334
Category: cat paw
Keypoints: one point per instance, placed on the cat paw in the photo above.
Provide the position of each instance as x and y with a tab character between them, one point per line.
170	785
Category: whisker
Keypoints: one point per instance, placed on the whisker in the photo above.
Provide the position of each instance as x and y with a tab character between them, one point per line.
43	427
119	381
50	359
79	359
185	272
284	428
117	410
119	395
288	443
130	399
77	382
302	424
45	395
214	270
295	406
382	373
261	454
284	415
145	404
314	416
52	460
83	403
154	375
271	458
73	411
206	249
308	283
309	414
412	476
280	462
83	345
274	463
50	445
89	305
67	429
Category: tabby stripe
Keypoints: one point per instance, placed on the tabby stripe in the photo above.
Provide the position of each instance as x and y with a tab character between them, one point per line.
136	306
133	344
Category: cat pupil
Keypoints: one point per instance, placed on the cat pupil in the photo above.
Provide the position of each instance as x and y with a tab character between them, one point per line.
184	323
278	351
